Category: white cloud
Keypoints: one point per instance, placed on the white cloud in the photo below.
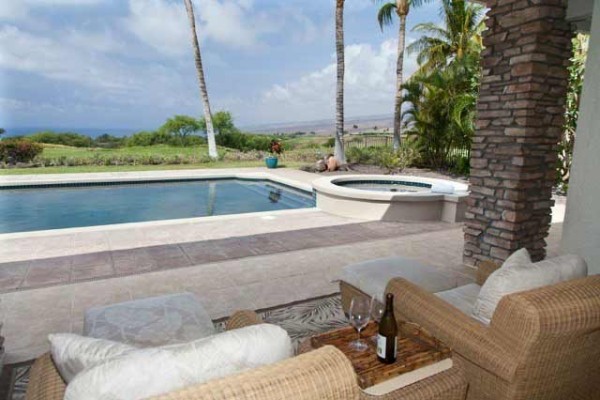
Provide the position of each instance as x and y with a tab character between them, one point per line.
164	26
53	59
19	9
370	79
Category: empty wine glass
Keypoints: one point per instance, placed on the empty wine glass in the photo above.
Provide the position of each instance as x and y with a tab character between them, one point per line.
360	314
377	310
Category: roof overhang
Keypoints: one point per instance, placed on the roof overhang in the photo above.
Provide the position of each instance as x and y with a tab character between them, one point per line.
579	12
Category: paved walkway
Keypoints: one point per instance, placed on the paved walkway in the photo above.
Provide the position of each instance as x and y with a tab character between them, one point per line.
256	261
36	273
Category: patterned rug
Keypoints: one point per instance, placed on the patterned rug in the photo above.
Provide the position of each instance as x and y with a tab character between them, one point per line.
301	320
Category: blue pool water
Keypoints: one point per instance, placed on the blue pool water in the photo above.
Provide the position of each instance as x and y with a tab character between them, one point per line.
32	209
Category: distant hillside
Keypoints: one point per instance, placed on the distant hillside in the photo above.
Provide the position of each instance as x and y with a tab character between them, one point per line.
377	123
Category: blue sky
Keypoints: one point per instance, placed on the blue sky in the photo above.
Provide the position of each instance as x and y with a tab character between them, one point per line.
129	64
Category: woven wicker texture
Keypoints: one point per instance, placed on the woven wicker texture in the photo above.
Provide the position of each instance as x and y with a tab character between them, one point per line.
541	344
242	319
447	385
484	270
44	381
348	292
324	374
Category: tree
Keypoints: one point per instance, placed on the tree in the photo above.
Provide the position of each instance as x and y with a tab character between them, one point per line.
338	151
180	127
2	131
459	40
385	18
210	133
442	112
580	45
222	122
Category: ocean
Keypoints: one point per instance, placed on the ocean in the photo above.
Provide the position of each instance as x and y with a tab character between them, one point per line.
93	132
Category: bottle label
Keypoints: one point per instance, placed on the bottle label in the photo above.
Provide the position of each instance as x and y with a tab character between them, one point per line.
382	344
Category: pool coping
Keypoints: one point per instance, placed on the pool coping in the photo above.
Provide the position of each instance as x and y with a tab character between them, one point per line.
327	185
31	181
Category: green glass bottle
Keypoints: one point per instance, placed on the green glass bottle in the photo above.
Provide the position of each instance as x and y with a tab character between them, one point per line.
387	338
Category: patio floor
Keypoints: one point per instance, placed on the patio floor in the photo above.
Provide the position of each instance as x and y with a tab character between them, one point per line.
48	281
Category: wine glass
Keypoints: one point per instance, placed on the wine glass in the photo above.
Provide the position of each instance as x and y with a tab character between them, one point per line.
360	314
377	310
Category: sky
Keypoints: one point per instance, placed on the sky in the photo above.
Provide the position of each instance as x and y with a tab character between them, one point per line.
129	63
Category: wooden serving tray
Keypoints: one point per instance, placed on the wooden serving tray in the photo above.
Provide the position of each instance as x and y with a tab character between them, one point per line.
416	349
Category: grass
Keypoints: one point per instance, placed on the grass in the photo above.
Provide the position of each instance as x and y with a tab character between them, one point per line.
292	159
56	151
125	168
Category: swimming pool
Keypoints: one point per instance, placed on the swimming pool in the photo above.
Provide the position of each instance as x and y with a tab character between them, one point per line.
25	209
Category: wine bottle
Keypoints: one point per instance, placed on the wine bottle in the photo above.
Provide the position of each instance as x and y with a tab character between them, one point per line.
387	338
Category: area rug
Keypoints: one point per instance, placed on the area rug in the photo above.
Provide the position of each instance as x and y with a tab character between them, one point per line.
301	320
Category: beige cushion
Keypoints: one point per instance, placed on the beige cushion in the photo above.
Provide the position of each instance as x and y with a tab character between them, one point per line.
522	276
148	372
373	276
462	297
74	353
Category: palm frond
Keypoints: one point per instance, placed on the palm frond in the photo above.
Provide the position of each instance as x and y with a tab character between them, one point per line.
385	14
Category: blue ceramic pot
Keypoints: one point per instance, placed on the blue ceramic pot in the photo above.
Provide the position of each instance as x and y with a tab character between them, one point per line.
271	162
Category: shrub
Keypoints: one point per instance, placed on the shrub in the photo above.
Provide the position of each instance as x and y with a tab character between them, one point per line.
65	139
461	166
109	142
19	150
365	155
398	160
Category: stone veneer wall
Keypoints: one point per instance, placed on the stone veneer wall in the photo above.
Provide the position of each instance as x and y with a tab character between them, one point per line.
519	123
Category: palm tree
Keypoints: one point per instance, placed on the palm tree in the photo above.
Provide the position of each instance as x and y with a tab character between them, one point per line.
459	40
385	17
339	99
210	133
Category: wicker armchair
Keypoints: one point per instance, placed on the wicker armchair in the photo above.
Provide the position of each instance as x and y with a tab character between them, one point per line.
541	344
323	374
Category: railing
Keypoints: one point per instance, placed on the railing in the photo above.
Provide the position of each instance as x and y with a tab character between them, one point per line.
368	141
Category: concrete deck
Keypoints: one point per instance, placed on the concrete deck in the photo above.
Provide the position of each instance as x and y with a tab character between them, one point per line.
49	279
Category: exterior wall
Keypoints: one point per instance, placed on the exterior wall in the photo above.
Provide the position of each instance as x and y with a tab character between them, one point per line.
519	123
581	230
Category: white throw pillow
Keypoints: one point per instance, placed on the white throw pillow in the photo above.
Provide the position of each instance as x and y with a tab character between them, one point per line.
144	373
522	277
74	353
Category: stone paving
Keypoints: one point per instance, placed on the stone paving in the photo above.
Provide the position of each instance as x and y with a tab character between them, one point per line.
49	280
30	274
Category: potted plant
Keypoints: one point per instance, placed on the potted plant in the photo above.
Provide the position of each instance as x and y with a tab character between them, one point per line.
275	148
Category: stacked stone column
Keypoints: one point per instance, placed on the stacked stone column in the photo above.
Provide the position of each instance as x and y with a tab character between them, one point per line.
519	124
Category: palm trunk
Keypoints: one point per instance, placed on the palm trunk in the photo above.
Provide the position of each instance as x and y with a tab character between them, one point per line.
399	72
339	101
210	132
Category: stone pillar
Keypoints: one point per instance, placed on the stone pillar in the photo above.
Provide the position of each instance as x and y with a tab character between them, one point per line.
519	124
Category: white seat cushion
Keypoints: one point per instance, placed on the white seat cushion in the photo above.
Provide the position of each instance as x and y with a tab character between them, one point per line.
74	353
373	276
462	297
525	276
148	372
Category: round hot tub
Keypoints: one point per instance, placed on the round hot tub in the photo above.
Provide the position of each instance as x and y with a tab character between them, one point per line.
392	198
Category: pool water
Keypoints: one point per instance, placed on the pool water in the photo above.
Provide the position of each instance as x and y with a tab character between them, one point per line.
56	207
387	186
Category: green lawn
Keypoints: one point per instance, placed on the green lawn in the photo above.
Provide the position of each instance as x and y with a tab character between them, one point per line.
121	168
53	151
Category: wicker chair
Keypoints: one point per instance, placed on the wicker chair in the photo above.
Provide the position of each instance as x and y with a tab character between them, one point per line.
323	374
540	344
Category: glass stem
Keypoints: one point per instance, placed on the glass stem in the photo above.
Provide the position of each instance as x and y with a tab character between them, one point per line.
358	335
